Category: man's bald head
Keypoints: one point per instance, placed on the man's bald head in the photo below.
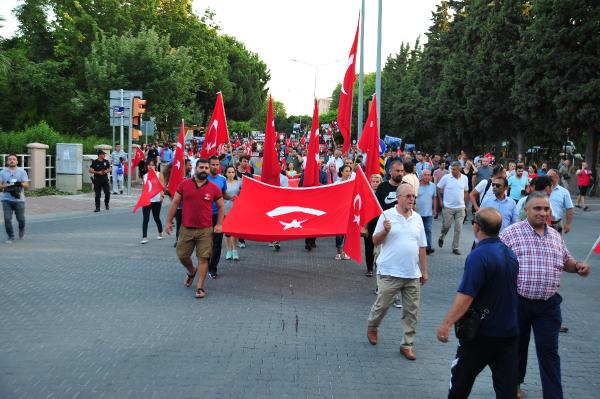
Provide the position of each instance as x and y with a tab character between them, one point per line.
489	221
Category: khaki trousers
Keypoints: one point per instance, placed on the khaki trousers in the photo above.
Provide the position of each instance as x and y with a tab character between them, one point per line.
458	216
389	287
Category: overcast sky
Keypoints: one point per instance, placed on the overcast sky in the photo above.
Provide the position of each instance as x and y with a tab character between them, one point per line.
312	31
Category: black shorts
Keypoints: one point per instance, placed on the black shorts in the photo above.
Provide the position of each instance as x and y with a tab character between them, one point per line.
583	190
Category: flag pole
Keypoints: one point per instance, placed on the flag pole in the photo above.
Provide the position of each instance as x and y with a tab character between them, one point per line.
587	258
361	74
378	70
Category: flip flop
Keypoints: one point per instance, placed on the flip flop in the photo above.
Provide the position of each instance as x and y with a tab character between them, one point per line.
189	279
200	293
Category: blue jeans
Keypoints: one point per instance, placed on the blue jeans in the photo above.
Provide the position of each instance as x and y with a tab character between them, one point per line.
18	207
427	221
545	319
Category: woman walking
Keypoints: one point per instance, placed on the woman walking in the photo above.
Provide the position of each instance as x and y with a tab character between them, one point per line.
584	180
233	190
344	173
154	207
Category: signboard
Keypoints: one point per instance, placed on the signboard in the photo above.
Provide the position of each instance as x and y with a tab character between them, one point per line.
119	107
69	158
258	136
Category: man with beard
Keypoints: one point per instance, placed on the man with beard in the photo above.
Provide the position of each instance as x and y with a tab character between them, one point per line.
198	195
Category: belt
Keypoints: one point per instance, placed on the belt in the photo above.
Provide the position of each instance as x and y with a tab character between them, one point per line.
535	300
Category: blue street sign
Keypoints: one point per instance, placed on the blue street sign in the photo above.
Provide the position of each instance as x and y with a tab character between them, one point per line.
118	111
382	147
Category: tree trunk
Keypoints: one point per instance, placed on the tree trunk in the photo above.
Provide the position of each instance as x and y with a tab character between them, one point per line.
592	150
519	140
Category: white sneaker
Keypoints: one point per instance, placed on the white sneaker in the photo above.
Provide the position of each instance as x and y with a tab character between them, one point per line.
144	241
160	237
10	241
271	244
398	303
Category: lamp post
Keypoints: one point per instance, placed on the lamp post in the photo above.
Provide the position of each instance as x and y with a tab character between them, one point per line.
316	67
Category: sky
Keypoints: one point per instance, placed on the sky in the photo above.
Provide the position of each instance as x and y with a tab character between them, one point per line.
318	33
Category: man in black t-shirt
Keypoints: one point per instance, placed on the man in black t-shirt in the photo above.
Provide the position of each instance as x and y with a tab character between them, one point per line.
100	169
386	192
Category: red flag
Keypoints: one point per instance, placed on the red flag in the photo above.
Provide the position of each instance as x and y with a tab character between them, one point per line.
364	207
303	140
596	247
369	141
217	130
152	187
176	176
345	104
288	142
283	164
278	213
139	157
270	169
311	171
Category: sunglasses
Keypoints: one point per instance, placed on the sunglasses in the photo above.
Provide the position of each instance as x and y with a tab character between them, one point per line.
497	185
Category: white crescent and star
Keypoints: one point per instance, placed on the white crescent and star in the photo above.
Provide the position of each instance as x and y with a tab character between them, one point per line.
215	125
293	224
357	200
348	65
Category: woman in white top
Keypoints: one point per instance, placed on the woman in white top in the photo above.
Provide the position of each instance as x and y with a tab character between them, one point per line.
233	190
344	174
154	207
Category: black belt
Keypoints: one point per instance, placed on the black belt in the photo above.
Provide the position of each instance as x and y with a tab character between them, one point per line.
534	300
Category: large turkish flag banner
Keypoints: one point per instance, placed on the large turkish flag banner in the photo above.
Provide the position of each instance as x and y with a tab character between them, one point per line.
216	131
268	213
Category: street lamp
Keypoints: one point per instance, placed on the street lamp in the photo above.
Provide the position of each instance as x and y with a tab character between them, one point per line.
316	66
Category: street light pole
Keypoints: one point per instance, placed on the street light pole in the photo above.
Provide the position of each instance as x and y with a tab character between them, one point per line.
316	67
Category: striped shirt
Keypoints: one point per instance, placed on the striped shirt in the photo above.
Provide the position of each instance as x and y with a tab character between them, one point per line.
541	259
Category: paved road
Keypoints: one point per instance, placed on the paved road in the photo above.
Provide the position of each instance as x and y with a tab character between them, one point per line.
87	312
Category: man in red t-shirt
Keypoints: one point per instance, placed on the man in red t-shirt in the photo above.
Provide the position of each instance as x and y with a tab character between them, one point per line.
197	196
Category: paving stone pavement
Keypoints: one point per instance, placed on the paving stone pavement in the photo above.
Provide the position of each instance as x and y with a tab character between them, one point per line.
87	312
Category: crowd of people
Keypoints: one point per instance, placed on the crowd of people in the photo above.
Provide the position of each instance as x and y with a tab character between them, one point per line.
510	283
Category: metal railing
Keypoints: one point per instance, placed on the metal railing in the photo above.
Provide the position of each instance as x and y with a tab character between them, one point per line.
50	178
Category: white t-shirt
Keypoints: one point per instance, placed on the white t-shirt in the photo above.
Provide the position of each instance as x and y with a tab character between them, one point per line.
480	187
399	256
454	190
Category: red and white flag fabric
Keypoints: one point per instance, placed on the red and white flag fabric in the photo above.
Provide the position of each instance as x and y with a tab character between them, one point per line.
344	118
152	187
369	141
176	176
279	214
364	208
138	157
596	248
270	169
311	171
216	134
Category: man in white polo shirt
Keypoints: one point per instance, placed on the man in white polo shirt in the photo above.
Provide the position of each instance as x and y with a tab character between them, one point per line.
401	266
454	189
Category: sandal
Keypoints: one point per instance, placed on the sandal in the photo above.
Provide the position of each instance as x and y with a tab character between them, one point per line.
200	293
189	279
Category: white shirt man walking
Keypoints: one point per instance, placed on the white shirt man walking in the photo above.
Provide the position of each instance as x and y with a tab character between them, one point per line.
401	267
453	194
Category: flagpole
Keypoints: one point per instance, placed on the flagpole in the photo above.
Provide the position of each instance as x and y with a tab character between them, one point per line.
378	70
361	73
587	258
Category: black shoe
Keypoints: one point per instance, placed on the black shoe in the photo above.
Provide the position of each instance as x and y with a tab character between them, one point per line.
21	234
107	207
456	252
276	246
429	251
97	210
440	242
313	244
308	247
121	192
564	329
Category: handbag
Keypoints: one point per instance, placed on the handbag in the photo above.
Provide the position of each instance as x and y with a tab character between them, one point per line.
467	326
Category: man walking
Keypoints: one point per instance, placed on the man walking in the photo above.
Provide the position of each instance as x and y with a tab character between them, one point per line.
117	157
506	206
401	267
454	188
488	286
427	205
517	183
197	196
542	256
100	168
14	181
217	239
562	205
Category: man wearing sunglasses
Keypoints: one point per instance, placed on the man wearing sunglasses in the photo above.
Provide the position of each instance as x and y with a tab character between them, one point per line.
500	202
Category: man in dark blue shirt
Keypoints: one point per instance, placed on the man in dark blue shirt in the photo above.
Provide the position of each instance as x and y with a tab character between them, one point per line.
488	286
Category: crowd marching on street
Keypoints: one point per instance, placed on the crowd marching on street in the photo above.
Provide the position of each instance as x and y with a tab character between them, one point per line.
518	213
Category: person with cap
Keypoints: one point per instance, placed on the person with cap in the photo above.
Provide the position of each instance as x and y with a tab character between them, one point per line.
100	168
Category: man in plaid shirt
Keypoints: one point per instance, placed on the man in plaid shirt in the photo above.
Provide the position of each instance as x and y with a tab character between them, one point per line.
542	256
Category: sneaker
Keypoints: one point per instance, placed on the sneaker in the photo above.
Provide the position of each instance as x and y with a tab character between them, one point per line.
97	210
242	244
338	257
398	303
121	192
440	242
456	252
214	276
276	246
144	241
21	234
160	237
9	241
234	255
107	207
429	251
228	255
271	244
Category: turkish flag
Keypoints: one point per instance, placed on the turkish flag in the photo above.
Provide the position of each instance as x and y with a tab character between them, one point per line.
364	207
279	214
151	188
311	171
369	141
139	157
177	166
303	140
217	134
596	247
344	118
270	169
